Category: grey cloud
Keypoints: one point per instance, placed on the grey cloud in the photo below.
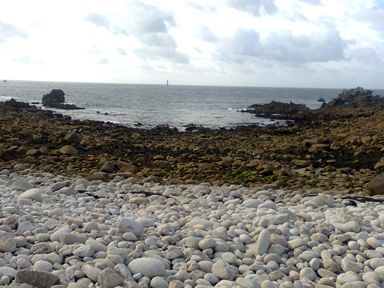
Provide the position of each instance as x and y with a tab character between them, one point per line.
312	2
283	47
26	59
103	61
324	47
206	34
8	31
150	19
121	51
254	7
243	43
150	25
158	53
157	39
374	16
98	20
103	21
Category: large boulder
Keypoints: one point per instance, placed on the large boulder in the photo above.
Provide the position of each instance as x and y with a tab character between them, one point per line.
376	185
54	98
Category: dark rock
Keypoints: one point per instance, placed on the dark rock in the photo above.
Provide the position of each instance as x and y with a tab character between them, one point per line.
53	98
102	176
72	137
37	278
12	103
357	97
108	167
376	185
279	110
56	99
321	100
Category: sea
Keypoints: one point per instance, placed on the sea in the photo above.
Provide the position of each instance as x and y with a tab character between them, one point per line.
179	106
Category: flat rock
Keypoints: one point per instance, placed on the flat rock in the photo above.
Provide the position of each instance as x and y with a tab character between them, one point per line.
149	267
109	278
37	278
34	194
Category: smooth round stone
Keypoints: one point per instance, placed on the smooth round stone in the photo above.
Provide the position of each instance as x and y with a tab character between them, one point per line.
296	243
371	277
229	257
380	271
211	278
91	272
262	244
350	226
84	251
33	194
192	242
206	266
5	280
42	237
207	243
23	263
353	245
319	237
307	273
315	264
7	243
56	235
158	282
129	225
149	267
109	278
88	227
347	277
348	265
376	262
42	265
374	243
130	236
8	271
223	270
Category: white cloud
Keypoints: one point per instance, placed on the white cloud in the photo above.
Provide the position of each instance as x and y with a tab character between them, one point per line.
8	31
231	42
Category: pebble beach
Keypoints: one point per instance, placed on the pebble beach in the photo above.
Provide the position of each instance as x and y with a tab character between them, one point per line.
94	204
59	231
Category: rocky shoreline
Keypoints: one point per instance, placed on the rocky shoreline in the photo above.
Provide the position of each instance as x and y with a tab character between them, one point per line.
339	148
93	204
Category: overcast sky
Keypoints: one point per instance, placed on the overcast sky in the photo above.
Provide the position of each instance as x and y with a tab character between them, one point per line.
285	43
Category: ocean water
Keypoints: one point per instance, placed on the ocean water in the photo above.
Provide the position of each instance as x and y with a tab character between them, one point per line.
153	105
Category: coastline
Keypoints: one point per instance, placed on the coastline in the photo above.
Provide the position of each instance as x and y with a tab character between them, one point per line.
338	148
93	204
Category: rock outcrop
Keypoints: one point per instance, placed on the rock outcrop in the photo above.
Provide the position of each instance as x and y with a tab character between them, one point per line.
56	99
356	97
279	110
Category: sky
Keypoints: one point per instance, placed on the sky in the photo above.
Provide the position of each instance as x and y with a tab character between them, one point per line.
269	43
